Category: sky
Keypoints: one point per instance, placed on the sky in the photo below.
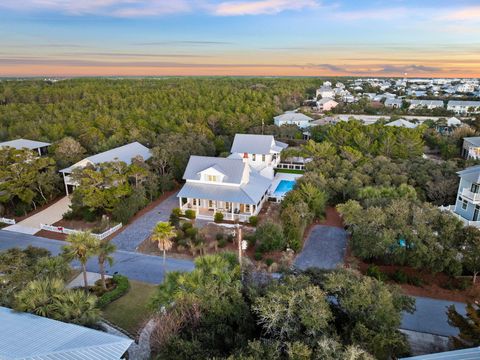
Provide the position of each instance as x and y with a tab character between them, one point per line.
415	38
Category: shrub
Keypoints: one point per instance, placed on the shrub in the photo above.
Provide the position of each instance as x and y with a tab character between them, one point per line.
400	277
219	236
187	225
190	214
222	243
191	233
69	215
175	217
218	217
121	289
375	272
253	220
270	236
177	212
269	261
251	240
258	255
88	215
129	206
230	238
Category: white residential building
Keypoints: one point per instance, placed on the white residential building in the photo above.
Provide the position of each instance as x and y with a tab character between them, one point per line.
325	92
464	107
402	123
38	146
471	147
394	103
428	104
123	153
293	118
326	104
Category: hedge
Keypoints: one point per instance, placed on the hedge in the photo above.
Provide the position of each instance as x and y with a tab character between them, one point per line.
121	289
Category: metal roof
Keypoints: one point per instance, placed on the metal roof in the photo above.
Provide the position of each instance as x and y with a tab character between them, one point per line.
24	143
402	123
250	193
475	140
256	144
464	103
426	102
123	153
465	354
291	116
26	336
232	168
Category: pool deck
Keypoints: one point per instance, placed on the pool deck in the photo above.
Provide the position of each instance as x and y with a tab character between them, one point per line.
283	176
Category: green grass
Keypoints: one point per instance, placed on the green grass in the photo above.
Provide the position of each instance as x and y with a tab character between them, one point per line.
130	311
290	171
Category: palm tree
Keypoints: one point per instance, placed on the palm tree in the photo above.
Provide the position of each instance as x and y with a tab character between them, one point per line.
83	245
104	251
52	267
36	297
77	307
163	233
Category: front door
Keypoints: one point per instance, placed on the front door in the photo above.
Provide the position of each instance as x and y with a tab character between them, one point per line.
242	208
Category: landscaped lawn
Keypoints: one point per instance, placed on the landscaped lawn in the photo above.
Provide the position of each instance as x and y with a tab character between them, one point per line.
130	311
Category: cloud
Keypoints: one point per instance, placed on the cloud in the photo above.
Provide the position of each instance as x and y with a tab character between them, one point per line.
134	55
467	13
183	42
371	14
408	69
237	8
334	68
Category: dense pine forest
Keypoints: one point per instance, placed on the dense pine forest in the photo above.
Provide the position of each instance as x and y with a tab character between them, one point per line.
104	113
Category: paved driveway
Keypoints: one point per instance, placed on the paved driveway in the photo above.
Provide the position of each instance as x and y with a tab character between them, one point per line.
50	215
431	317
135	233
146	268
324	248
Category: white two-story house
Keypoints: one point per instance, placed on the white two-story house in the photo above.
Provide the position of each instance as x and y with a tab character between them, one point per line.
467	205
471	147
222	185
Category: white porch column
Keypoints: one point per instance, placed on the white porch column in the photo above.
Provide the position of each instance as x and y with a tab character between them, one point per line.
180	203
65	183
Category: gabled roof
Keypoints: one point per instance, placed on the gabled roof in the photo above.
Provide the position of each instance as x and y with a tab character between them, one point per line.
123	153
426	102
256	144
249	193
291	116
24	143
474	140
453	121
325	100
465	354
27	336
402	123
232	168
464	103
471	174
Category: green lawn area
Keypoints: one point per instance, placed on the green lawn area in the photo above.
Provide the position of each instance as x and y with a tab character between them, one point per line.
131	311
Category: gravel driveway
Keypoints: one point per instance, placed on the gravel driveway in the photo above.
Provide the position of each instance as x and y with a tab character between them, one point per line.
324	248
135	233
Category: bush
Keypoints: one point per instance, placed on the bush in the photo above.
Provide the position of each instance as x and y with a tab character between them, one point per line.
190	214
253	220
251	240
269	261
270	236
222	243
175	217
129	206
177	212
191	233
230	238
375	272
187	225
258	255
218	217
88	215
219	236
400	277
121	289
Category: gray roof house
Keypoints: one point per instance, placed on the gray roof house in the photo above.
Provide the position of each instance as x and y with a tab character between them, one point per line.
123	153
38	146
225	185
465	354
26	336
463	107
292	118
429	104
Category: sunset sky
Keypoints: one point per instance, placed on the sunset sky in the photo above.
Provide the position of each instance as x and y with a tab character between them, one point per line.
221	37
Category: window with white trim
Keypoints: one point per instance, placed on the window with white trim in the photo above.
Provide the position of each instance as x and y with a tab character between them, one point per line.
464	204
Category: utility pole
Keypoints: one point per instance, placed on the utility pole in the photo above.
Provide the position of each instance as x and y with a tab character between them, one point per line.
263	127
239	240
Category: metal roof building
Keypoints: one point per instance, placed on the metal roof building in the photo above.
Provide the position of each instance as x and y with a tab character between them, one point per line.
465	354
256	144
38	146
26	336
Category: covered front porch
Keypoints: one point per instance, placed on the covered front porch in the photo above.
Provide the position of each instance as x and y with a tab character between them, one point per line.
206	209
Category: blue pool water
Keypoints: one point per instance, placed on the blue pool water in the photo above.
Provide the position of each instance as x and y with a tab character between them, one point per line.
283	187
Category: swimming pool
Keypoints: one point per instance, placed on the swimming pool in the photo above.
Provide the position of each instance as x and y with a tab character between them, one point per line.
283	187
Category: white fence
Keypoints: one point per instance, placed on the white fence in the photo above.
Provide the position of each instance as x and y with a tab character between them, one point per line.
62	230
8	221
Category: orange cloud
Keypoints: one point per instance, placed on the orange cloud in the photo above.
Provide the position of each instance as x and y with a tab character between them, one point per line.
234	8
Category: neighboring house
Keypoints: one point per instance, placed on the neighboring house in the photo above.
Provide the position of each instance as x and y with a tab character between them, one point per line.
26	336
223	185
293	118
393	103
326	104
464	107
402	123
261	151
123	153
38	146
428	104
464	354
471	147
325	92
450	125
467	205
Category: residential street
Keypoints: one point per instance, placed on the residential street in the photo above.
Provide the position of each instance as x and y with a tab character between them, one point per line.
146	268
135	233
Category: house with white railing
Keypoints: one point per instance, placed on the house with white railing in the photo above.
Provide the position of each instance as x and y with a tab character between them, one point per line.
222	185
471	147
467	204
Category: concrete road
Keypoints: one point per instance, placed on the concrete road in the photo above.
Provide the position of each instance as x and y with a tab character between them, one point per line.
135	233
324	248
136	266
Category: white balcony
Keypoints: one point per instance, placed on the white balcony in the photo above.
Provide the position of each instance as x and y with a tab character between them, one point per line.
451	209
474	197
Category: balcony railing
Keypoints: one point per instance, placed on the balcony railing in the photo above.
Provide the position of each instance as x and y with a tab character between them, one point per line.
470	195
451	209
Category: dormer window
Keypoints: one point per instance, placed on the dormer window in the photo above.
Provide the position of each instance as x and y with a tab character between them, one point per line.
254	157
475	188
212	178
